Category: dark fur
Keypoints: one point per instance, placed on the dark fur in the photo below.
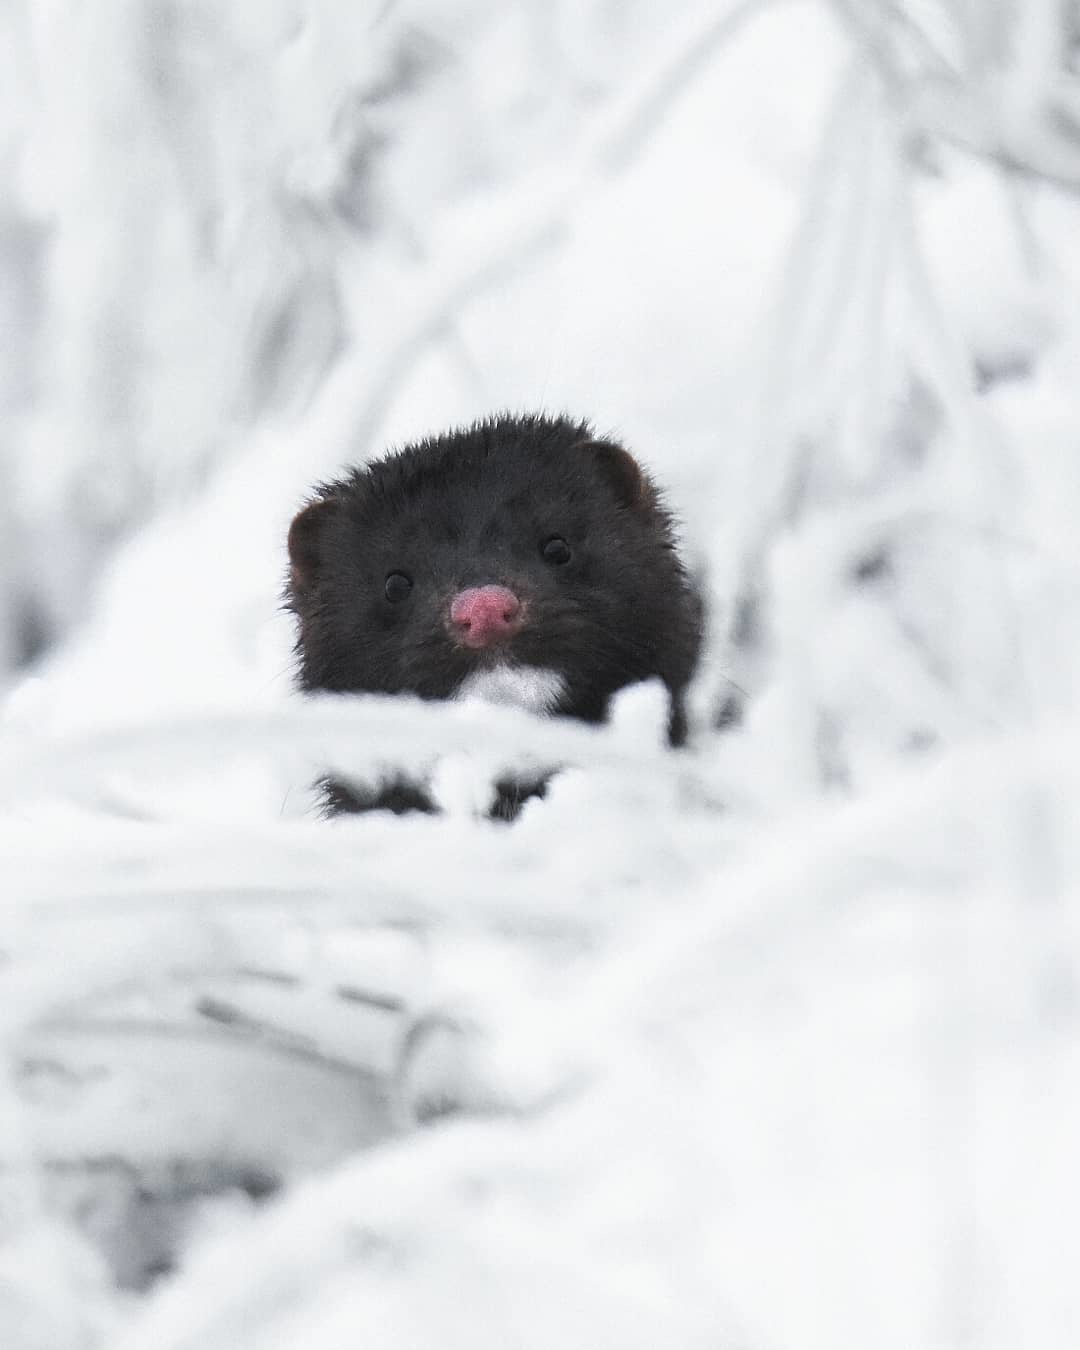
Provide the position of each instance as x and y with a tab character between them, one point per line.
470	508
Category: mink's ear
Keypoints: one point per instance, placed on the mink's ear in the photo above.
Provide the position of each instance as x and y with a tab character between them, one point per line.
624	474
305	539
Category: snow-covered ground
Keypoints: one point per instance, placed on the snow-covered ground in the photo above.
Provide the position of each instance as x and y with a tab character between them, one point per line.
772	1043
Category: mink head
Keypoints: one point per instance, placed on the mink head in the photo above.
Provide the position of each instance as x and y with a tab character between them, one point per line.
522	544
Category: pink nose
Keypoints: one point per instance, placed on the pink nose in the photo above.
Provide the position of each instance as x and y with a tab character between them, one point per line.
484	614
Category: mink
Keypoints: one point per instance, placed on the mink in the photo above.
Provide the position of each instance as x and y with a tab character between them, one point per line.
523	558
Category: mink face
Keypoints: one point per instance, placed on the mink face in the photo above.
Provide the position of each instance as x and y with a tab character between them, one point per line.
521	552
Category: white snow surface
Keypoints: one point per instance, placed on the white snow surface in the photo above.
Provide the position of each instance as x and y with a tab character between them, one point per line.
772	1043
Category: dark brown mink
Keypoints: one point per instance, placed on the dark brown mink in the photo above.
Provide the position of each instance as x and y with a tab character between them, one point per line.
523	559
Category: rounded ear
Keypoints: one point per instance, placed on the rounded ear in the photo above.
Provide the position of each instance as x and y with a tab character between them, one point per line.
623	473
305	537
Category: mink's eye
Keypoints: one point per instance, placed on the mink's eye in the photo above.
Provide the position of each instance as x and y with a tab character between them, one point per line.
555	550
398	586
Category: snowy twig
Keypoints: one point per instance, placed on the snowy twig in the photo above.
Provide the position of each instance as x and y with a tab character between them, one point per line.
448	284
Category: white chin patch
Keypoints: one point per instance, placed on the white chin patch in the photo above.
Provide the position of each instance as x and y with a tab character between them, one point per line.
536	691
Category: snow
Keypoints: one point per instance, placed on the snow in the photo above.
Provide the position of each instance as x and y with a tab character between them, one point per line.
771	1042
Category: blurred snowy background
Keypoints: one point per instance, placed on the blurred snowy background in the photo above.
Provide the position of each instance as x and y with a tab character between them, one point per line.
769	1044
